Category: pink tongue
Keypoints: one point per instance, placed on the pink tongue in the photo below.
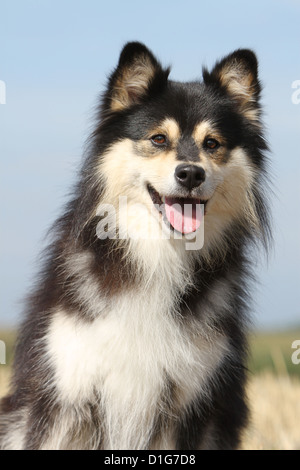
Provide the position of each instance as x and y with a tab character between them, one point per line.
184	214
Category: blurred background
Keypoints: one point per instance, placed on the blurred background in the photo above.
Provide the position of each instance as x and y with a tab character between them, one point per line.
54	63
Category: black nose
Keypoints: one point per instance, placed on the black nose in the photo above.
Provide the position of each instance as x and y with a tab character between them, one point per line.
189	176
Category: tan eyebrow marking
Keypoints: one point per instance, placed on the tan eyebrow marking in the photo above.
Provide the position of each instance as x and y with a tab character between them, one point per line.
169	127
202	130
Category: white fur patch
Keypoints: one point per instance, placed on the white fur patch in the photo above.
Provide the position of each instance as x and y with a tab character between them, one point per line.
126	356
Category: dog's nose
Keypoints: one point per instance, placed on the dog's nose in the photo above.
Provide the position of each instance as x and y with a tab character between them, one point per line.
189	176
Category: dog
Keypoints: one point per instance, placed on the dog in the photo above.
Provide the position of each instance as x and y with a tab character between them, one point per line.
135	336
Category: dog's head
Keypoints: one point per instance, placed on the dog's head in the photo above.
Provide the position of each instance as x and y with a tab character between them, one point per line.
168	148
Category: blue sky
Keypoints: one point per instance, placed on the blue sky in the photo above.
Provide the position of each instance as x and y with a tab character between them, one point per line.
55	59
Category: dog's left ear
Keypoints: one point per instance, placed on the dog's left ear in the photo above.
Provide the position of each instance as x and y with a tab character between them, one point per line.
237	75
137	75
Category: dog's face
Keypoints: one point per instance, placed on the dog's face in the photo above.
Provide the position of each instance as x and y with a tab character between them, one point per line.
175	147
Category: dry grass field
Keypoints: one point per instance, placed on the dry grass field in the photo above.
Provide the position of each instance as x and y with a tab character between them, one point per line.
275	413
273	392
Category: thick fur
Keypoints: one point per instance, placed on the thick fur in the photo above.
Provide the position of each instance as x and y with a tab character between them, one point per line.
136	342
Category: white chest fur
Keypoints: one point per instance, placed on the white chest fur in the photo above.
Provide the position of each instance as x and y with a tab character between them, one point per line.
126	355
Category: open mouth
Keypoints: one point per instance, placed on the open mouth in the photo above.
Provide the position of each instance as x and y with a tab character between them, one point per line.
183	214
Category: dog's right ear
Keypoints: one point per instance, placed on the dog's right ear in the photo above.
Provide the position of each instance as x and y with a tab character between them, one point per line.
237	75
137	76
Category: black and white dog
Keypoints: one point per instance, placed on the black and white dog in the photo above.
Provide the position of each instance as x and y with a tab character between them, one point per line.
134	337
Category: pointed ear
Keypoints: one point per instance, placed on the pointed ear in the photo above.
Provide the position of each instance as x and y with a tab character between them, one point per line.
237	75
136	76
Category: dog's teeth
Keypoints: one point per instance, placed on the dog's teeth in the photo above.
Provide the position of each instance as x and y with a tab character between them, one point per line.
163	199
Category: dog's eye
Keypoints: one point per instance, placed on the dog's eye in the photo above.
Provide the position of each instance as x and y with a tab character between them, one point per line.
211	144
159	139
